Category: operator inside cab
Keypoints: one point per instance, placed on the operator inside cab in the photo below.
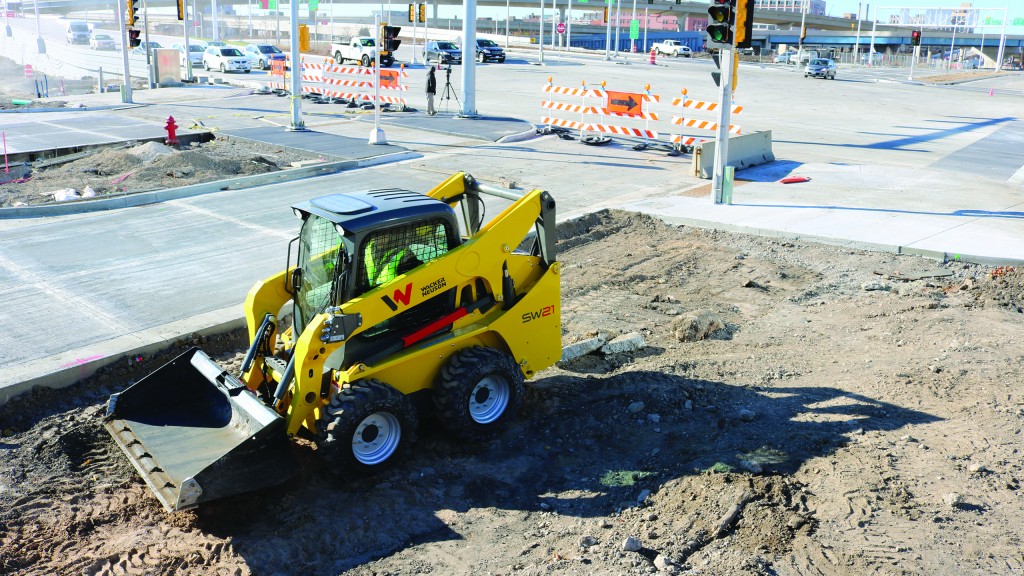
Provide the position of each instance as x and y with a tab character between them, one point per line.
391	253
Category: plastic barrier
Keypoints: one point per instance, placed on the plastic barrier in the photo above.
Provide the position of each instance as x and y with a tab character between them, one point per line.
744	151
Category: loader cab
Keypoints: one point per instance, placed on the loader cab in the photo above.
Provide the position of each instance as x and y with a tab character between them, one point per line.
350	244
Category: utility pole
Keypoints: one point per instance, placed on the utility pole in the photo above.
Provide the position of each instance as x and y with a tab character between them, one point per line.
297	124
377	135
540	40
149	47
722	134
126	92
607	30
188	51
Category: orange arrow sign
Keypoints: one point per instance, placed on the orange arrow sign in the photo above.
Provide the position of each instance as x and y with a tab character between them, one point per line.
388	78
624	102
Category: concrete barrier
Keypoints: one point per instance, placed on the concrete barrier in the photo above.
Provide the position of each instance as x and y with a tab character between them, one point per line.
744	151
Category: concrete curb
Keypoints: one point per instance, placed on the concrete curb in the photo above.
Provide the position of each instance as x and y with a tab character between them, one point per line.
856	244
156	196
78	365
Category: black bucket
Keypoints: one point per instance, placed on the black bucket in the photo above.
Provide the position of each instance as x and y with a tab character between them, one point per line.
197	434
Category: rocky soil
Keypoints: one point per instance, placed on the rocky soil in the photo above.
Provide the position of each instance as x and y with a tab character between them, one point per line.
134	167
794	409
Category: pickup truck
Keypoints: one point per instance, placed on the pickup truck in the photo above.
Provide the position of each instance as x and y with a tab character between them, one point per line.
362	49
672	48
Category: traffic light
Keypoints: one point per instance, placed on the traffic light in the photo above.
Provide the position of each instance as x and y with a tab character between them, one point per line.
391	41
744	23
915	37
131	12
412	12
423	12
721	16
134	38
181	9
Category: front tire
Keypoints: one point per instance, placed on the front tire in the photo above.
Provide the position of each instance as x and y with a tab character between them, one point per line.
222	70
477	392
263	65
480	58
365	61
367	427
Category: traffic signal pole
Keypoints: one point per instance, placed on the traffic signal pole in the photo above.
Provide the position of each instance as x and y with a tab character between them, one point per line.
297	124
126	93
722	134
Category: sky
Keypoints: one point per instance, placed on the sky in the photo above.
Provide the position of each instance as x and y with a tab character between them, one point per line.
1015	9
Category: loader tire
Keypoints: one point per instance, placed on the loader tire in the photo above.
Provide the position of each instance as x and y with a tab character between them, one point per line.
367	428
477	392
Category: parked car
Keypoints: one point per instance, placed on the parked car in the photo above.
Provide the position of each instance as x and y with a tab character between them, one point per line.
821	68
488	50
784	58
194	55
144	48
102	42
876	58
442	51
263	55
226	59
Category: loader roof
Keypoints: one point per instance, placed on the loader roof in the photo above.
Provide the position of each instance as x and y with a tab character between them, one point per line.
358	212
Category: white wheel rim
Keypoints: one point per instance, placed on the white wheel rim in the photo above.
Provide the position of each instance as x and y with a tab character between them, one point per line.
376	438
488	400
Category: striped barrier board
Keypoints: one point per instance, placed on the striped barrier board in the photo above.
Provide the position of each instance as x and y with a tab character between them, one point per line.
563	123
702	124
623	131
686	140
699	105
644	115
580	108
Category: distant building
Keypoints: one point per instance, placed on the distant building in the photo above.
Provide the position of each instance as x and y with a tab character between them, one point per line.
814	7
654	21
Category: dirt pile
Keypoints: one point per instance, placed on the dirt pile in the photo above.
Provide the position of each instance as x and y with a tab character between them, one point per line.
133	168
858	413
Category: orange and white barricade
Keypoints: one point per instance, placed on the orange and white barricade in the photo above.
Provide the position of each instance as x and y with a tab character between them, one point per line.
625	108
278	75
614	111
687	106
581	107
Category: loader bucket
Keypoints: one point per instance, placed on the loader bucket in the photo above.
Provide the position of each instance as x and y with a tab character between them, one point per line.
197	434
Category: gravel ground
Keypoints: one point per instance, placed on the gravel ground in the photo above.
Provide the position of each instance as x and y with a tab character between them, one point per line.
794	408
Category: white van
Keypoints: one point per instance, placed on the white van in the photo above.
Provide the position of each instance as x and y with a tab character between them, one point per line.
77	32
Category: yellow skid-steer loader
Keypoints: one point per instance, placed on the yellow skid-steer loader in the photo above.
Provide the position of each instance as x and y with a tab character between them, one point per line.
398	304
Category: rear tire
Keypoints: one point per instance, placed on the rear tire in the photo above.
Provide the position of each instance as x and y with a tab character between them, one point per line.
477	392
367	428
338	58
